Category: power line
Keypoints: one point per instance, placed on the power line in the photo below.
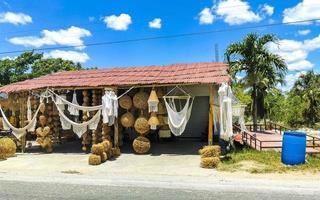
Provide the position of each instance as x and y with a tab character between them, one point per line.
161	37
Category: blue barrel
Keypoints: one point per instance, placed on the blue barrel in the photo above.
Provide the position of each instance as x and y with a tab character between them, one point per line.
293	148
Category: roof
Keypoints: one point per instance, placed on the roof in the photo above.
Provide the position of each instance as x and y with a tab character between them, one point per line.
191	73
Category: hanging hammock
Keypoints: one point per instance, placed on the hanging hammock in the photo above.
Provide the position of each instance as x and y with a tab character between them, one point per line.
178	120
78	128
19	132
72	109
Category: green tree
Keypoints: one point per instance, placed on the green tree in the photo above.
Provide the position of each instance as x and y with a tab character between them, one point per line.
307	87
31	65
262	69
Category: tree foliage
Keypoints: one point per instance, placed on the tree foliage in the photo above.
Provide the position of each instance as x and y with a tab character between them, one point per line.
31	65
262	69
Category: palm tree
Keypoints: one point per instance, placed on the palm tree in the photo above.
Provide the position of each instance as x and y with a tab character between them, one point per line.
261	68
307	87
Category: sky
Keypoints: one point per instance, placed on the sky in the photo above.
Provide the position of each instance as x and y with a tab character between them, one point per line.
32	24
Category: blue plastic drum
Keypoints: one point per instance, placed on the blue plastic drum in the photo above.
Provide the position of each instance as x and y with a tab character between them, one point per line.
293	148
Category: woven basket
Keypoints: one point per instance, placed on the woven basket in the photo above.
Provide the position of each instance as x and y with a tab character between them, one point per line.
125	102
153	120
140	100
141	126
141	145
127	120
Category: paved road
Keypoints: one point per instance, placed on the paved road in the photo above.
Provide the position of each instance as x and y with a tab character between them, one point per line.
37	190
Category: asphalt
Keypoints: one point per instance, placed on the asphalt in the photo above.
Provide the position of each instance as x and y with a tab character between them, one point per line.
45	190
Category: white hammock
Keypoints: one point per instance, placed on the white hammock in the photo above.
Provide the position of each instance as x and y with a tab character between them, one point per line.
78	128
225	101
19	132
178	120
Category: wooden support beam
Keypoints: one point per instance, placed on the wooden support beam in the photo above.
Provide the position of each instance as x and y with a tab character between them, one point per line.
211	108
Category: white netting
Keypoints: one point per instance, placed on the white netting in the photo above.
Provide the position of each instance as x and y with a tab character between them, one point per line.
229	107
110	107
178	119
73	110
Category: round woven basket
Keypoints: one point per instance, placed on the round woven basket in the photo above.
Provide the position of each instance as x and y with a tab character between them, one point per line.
141	126
140	100
153	120
141	145
125	102
127	120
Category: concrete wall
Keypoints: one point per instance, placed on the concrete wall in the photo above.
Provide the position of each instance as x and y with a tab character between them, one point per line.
198	123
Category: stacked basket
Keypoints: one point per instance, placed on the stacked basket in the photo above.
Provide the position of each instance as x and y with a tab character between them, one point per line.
210	156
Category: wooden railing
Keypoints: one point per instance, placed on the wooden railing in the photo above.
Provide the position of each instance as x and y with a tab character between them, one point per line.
250	139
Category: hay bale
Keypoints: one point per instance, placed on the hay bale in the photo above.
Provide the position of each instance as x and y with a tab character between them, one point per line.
104	157
107	145
116	151
127	120
141	145
210	162
7	148
125	102
141	125
210	151
140	100
97	149
94	159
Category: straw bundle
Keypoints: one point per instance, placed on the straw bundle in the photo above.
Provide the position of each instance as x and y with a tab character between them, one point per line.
7	148
210	151
141	126
116	151
94	159
153	101
127	120
104	157
140	100
125	102
153	121
141	145
1	123
97	149
107	145
211	162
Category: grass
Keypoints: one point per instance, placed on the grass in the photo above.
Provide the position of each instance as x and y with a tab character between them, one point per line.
254	161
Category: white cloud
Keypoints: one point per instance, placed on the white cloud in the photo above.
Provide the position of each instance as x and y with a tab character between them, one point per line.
206	16
15	18
155	23
304	32
236	12
290	79
74	56
268	9
296	53
119	23
305	10
70	37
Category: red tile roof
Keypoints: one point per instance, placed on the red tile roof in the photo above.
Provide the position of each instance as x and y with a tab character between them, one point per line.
192	73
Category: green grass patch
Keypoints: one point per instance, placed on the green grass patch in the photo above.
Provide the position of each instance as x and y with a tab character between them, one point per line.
254	161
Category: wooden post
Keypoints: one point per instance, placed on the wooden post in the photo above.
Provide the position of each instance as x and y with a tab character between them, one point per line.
116	128
211	108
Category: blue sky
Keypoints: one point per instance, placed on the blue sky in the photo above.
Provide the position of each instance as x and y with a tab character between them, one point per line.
39	24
